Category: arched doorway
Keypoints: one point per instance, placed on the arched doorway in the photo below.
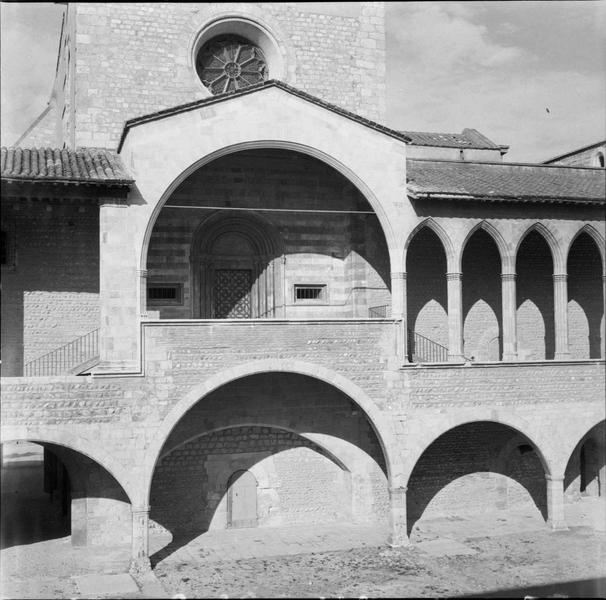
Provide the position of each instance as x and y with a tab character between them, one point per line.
242	500
235	268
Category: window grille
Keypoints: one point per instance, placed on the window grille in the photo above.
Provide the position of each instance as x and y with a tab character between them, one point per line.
310	293
166	293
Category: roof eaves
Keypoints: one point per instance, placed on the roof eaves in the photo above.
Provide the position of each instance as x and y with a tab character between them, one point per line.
417	194
589	147
249	90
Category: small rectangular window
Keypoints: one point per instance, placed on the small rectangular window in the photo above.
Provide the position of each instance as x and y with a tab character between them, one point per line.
164	293
310	293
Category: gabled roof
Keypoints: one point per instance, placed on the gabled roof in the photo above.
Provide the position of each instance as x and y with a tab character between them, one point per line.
502	182
468	138
577	151
161	114
89	166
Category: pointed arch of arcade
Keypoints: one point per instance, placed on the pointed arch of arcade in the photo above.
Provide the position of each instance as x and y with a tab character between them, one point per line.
380	424
594	234
515	423
443	236
363	188
557	256
91	450
499	240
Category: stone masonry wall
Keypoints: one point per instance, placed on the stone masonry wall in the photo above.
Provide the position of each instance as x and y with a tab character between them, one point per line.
297	482
585	158
134	58
346	253
50	296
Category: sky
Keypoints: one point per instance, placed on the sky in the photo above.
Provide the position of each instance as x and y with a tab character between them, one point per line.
531	75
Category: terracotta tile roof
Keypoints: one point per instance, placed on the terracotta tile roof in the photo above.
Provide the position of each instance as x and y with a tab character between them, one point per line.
468	138
91	166
504	181
251	89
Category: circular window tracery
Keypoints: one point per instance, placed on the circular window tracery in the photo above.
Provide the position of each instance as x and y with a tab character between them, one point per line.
230	63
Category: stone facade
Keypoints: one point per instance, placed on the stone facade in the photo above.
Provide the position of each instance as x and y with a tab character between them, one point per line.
280	311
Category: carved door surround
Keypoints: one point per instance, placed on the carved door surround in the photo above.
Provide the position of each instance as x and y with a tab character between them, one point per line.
227	252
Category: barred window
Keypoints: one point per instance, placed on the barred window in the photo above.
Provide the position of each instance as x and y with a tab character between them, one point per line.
310	293
165	293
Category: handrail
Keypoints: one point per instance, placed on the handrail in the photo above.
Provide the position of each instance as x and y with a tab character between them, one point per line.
423	349
66	358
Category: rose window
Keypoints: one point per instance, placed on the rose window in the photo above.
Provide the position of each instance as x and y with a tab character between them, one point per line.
229	64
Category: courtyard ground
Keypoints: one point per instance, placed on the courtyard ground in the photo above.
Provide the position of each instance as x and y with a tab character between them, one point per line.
505	554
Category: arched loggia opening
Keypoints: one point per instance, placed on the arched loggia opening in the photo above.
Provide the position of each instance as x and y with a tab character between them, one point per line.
473	471
535	302
482	304
585	474
51	491
267	233
585	299
311	449
427	298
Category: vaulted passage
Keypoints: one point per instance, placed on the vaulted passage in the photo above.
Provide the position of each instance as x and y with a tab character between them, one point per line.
535	316
273	449
482	310
585	299
427	303
477	469
267	234
51	491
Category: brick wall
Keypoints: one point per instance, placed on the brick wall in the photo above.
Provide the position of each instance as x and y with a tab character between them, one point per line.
534	291
133	59
585	299
482	312
470	469
426	287
50	294
347	253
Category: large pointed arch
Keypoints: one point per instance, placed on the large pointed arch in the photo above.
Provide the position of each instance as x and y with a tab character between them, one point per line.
593	234
498	239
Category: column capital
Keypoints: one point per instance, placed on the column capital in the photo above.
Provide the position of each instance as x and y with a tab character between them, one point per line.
142	272
454	276
139	510
560	277
398	274
398	491
554	478
508	276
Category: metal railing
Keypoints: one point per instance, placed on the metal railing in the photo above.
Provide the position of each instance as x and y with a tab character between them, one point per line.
67	358
379	312
422	349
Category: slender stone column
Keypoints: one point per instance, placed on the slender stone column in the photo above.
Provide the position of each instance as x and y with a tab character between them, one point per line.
560	308
555	503
455	317
142	274
398	534
398	310
510	332
140	548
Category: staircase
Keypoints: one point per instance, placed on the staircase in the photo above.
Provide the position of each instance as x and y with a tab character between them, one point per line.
421	349
73	358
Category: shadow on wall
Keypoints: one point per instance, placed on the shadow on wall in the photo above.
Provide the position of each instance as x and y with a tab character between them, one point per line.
585	473
475	468
246	477
61	492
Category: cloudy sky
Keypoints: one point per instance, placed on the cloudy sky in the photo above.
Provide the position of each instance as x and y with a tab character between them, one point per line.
528	74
